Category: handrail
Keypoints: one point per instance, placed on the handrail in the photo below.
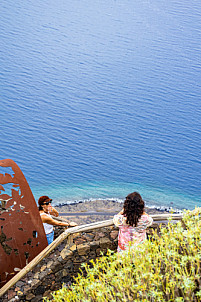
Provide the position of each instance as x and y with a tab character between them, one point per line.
63	236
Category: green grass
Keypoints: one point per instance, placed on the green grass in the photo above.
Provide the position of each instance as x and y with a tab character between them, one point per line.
165	268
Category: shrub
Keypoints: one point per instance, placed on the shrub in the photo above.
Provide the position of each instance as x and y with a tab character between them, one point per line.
165	268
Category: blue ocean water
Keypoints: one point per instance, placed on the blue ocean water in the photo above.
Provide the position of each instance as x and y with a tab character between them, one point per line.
102	98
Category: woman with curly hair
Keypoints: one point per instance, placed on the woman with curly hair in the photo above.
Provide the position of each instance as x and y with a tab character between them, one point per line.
132	222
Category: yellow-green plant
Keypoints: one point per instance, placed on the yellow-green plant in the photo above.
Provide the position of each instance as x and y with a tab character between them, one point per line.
165	268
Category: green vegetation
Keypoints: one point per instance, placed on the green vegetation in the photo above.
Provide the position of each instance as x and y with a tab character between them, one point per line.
165	268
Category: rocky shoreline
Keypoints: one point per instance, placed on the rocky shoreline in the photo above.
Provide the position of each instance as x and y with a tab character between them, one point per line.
97	210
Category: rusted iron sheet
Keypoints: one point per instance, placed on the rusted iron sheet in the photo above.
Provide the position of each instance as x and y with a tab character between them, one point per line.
22	235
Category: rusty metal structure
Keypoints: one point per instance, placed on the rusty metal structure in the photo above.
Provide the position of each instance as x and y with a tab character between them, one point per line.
22	235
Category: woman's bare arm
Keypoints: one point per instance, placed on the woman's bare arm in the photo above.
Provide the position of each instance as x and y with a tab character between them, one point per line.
50	220
53	211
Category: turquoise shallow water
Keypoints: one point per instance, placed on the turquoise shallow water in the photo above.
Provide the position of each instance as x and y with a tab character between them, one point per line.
99	99
116	191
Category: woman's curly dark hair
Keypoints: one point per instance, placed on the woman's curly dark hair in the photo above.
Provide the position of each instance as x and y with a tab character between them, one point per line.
133	208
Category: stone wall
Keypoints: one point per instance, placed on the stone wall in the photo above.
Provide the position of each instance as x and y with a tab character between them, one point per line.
62	264
61	261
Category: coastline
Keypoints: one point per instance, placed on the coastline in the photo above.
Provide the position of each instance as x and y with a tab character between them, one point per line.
84	212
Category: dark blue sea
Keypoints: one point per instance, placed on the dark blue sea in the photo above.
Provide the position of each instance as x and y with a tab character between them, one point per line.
102	98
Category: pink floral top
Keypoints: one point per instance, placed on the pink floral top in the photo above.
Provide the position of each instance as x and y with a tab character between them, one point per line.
128	234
